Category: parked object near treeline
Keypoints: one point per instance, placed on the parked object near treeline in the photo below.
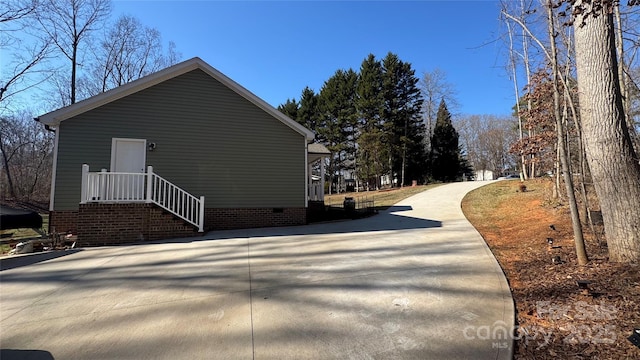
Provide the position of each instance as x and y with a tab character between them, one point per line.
176	153
12	218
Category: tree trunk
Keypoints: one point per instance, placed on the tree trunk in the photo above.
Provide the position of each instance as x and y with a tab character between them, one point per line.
74	65
527	67
512	57
613	162
622	75
7	169
562	148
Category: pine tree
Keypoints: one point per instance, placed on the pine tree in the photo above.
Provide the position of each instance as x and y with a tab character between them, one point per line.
403	126
308	112
337	122
445	153
289	108
370	102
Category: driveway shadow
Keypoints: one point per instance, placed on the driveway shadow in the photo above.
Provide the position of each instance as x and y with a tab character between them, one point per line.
388	220
10	262
13	354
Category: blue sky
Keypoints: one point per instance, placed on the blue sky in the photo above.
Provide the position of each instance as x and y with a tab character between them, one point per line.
276	48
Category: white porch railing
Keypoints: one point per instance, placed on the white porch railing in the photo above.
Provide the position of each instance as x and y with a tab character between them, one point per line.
316	192
118	187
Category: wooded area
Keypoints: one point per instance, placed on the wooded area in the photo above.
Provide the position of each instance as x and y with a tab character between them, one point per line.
44	41
579	116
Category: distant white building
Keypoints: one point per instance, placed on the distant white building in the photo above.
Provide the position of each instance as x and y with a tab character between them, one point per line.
385	180
483	175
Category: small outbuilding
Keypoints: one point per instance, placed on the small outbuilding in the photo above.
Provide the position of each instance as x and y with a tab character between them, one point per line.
483	175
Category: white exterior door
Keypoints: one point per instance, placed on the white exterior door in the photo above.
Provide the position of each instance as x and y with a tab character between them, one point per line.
128	156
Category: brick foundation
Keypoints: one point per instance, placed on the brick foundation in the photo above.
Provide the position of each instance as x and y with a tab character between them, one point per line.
63	221
99	224
223	219
109	224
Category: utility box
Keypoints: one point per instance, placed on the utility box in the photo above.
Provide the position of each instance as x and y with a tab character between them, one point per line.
349	205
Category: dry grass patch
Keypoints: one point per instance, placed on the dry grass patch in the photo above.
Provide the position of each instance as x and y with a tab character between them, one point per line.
555	318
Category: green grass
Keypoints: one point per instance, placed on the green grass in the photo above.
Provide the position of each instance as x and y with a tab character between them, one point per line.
479	205
486	198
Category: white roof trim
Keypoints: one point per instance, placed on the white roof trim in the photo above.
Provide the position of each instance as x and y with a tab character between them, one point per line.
55	117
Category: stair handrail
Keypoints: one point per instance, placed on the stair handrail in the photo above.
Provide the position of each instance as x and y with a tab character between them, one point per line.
97	187
174	199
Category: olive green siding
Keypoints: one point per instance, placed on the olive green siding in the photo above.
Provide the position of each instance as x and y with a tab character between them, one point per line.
210	141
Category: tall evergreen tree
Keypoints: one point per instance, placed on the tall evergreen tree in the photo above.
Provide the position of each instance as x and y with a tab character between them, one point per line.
445	153
338	119
404	129
289	108
371	122
308	112
370	102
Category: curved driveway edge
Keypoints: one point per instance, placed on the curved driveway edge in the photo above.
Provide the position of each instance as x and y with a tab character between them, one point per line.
414	282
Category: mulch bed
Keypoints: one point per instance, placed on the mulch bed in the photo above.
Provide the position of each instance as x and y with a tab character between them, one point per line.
555	317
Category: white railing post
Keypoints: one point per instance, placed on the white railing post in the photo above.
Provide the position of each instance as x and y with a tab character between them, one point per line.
149	183
103	185
201	215
84	191
121	187
322	180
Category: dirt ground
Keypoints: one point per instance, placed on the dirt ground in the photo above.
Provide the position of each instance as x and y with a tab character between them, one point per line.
555	317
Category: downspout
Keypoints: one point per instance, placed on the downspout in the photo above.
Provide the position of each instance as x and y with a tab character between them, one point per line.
47	127
306	174
54	167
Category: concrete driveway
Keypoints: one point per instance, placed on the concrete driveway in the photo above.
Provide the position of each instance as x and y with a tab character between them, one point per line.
414	282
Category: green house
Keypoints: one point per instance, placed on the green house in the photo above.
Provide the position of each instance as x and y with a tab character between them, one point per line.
176	153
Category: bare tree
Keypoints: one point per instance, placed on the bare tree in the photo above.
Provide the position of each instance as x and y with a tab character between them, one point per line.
128	51
634	104
516	88
614	163
12	10
22	65
435	88
68	23
557	80
627	25
486	140
519	13
22	55
25	147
